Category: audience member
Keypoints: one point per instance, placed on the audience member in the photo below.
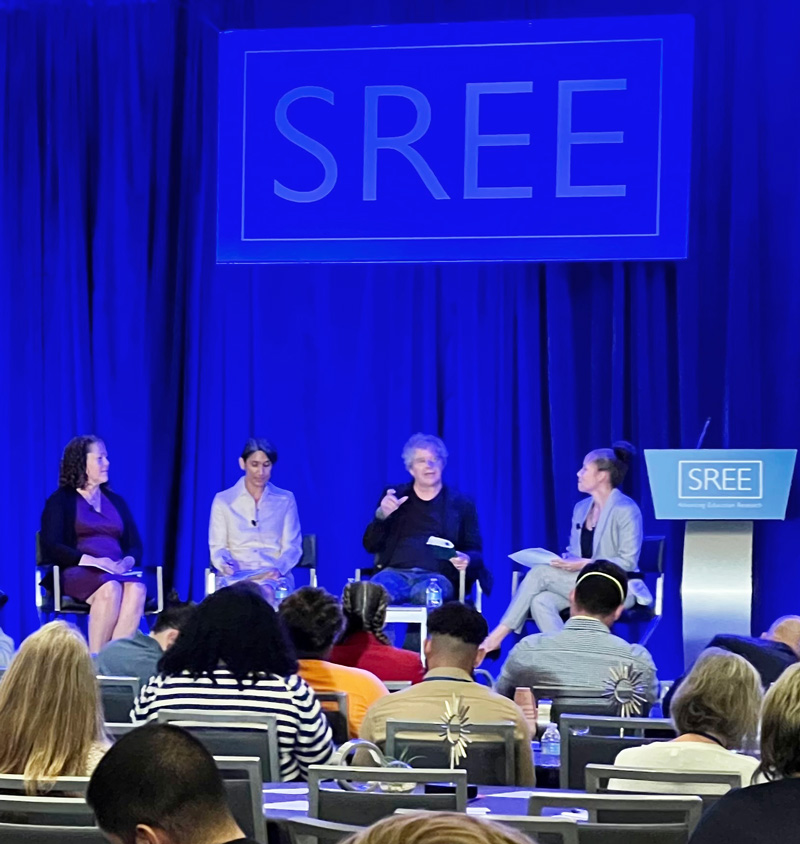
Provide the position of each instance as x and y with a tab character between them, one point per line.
233	656
769	811
771	654
51	717
715	712
313	619
438	828
6	649
455	632
159	785
139	656
582	655
364	643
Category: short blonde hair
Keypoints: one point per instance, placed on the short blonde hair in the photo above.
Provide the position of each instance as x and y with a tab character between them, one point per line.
437	828
780	727
50	708
721	695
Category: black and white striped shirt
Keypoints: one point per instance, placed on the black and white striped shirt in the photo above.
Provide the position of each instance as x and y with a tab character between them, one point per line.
304	736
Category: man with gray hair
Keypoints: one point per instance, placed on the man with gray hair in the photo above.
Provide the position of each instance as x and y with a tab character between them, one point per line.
410	514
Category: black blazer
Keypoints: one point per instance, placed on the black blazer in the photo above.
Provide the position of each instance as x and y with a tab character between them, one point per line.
460	527
58	537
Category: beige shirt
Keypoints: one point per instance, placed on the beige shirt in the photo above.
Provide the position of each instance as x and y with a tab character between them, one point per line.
426	700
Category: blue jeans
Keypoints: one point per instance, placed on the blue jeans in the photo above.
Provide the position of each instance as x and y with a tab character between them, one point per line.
407	586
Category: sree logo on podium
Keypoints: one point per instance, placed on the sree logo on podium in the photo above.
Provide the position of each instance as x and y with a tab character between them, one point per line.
716	479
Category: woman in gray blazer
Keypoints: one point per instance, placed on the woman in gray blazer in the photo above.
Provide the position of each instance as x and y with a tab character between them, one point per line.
605	526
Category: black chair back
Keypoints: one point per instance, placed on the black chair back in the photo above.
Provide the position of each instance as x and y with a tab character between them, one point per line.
335	707
242	779
118	695
23	833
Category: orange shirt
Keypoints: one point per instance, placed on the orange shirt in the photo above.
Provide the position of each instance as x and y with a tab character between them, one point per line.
363	688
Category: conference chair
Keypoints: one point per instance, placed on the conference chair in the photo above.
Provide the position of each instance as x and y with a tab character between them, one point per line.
397	685
118	695
55	602
46	810
308	561
23	833
341	806
587	739
680	782
15	784
242	778
491	757
303	830
334	705
232	734
118	729
572	700
555	830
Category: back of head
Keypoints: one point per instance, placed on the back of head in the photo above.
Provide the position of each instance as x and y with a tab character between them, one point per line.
50	707
175	615
720	696
615	460
455	632
162	777
601	589
235	627
313	619
364	605
786	630
780	727
437	828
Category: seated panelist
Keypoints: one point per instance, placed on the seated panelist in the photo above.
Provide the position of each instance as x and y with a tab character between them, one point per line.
89	532
607	526
409	514
254	530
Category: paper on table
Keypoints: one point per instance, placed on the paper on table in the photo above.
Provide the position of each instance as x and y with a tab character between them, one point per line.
522	795
303	790
534	557
288	806
478	810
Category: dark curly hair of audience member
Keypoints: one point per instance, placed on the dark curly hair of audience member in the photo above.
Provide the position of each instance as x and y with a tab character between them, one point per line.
238	628
313	619
364	605
72	471
458	621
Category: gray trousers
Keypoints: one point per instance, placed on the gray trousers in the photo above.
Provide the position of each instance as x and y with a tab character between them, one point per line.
543	593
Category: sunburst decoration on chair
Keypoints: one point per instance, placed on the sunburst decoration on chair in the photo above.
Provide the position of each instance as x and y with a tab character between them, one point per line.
626	690
455	728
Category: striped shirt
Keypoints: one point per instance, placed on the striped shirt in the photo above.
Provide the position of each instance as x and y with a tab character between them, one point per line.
304	737
580	656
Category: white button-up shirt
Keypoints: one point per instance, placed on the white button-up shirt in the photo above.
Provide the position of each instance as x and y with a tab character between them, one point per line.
255	535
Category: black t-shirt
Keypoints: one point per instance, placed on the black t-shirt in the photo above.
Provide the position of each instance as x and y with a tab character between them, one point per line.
416	521
587	542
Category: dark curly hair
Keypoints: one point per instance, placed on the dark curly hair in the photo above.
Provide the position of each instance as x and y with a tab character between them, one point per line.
313	619
364	605
72	471
237	628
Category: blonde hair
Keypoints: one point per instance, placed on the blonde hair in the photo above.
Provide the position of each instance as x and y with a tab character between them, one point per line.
721	696
437	828
50	709
780	727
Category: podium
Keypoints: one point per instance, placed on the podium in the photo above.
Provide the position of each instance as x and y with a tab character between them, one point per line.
720	493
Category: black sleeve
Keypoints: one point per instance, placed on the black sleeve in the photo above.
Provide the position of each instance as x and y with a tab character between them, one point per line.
131	542
55	534
469	535
718	825
374	540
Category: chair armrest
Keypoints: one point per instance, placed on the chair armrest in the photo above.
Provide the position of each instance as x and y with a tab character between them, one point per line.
364	573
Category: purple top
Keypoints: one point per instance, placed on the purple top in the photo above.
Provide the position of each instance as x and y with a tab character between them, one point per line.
99	534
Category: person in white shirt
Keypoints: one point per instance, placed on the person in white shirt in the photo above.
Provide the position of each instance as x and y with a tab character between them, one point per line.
715	712
254	530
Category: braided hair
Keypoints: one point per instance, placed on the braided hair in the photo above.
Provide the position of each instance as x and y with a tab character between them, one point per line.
364	605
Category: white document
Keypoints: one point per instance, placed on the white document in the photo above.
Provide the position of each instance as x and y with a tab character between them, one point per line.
95	565
534	557
439	542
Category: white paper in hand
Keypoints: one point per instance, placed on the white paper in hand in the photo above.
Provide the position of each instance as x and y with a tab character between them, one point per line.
534	557
439	542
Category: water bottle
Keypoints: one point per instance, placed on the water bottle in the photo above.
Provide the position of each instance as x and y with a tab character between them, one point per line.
433	594
281	589
551	747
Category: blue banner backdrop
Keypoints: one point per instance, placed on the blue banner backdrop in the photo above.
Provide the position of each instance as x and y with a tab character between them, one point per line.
114	317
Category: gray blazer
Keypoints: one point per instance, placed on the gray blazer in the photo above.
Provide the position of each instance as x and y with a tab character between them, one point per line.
618	535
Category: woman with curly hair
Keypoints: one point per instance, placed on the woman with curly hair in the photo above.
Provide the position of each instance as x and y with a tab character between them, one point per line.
88	531
313	620
364	644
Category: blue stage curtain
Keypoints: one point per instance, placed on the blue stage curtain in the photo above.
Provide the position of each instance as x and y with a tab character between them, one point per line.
116	320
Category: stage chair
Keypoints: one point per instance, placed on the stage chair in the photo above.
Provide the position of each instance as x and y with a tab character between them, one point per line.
598	776
50	811
23	833
232	734
337	715
491	757
338	806
118	695
587	739
55	603
307	561
303	830
556	830
634	819
242	778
